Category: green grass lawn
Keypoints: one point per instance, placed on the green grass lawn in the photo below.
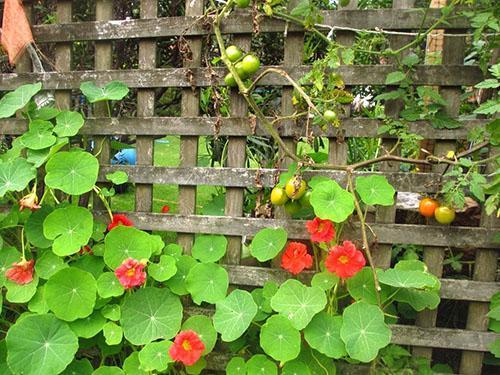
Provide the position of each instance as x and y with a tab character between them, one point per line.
166	154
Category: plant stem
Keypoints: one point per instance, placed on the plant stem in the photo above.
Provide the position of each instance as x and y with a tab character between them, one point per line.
104	201
366	245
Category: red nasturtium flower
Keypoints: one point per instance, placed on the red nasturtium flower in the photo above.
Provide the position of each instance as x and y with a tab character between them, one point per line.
131	273
187	348
119	219
21	272
320	230
295	258
165	209
345	260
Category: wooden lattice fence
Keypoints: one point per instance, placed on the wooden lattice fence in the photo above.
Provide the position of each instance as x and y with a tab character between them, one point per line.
148	30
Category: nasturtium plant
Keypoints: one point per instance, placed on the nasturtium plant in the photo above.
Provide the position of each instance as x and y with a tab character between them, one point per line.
324	280
48	264
114	90
72	172
126	242
34	228
71	294
40	344
323	334
109	286
375	190
279	339
260	364
234	314
68	123
332	202
177	283
113	333
150	314
267	243
164	269
364	331
154	356
236	366
209	248
39	135
117	177
207	282
21	293
204	327
15	175
90	326
17	99
298	302
69	228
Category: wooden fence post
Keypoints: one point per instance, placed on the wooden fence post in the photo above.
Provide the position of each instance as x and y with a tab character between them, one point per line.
63	53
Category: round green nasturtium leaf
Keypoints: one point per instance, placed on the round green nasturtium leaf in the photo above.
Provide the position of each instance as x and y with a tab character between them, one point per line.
111	312
279	339
494	348
17	99
113	333
157	244
71	294
364	331
15	175
207	282
177	283
8	255
263	305
34	228
72	172
374	190
126	242
267	243
204	327
298	302
108	370
163	270
154	356
400	278
236	366
149	314
38	304
419	299
197	368
70	228
209	248
324	280
39	135
39	157
316	362
117	177
260	364
362	286
109	286
295	367
48	264
68	123
79	367
132	365
234	314
114	90
174	250
88	327
331	202
40	344
323	334
90	263
21	293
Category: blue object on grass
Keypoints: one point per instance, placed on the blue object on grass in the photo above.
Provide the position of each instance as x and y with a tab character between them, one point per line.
127	156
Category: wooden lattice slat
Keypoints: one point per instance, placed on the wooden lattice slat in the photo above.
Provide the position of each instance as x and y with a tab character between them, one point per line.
63	53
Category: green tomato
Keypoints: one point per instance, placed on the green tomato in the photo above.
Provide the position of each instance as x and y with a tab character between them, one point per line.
295	188
242	3
233	53
305	201
444	215
329	115
229	80
239	69
250	64
292	207
278	196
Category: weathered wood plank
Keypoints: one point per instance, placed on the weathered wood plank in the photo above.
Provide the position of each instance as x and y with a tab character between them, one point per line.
463	290
429	337
427	235
388	19
240	127
63	53
243	177
438	75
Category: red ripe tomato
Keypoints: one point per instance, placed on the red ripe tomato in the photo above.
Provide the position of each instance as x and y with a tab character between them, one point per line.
427	207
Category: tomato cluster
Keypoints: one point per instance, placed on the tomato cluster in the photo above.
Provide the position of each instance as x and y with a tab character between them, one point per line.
443	214
294	195
245	67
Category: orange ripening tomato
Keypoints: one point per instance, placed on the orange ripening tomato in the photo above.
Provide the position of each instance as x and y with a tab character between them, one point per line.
427	207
